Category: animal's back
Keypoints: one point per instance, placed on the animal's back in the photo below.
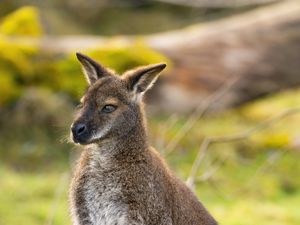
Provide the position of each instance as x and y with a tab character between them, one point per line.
185	207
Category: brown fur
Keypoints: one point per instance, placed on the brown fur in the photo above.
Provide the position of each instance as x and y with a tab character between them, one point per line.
120	179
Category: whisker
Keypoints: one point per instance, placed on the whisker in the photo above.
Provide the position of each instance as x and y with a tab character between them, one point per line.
65	139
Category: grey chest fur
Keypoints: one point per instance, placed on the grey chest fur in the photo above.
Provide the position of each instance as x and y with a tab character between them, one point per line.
98	200
103	194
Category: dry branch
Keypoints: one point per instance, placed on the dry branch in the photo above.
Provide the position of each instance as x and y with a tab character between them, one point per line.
209	173
199	113
60	188
231	138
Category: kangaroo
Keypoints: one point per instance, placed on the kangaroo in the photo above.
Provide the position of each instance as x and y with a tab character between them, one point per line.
120	179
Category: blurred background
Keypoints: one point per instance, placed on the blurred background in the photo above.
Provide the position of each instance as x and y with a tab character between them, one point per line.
225	114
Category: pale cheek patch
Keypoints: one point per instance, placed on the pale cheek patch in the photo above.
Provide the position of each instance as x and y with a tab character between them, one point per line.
100	133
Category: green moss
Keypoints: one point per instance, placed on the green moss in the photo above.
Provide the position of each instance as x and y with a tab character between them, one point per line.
271	105
24	21
273	139
17	59
17	69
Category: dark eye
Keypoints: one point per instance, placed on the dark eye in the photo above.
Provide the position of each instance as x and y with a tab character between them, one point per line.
108	108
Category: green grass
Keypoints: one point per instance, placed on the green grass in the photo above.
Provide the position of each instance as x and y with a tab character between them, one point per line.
30	198
249	211
257	181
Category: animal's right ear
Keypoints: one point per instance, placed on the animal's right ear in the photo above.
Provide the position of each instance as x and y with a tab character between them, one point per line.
91	69
141	79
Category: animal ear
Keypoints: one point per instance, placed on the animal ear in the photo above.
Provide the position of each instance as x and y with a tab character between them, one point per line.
141	79
91	69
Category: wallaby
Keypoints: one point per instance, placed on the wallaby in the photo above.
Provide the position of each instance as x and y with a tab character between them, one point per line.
120	179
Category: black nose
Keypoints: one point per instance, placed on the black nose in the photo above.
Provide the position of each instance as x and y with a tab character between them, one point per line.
79	129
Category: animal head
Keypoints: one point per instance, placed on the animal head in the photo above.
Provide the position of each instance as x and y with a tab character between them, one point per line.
111	105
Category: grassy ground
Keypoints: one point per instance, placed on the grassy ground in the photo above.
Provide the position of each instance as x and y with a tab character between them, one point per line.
41	198
252	181
30	198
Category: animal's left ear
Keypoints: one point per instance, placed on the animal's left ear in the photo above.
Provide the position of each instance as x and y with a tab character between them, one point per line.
141	79
91	69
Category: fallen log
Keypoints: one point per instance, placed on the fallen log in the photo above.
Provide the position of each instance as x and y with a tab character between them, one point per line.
262	47
217	3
